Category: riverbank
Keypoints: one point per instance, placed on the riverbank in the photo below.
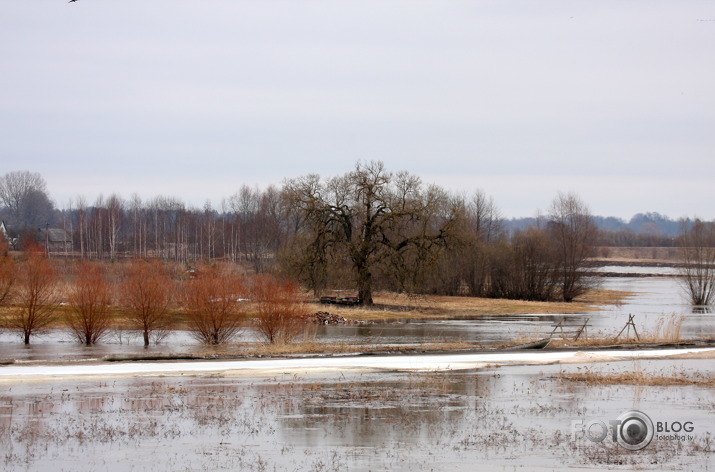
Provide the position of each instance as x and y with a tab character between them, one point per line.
389	306
444	362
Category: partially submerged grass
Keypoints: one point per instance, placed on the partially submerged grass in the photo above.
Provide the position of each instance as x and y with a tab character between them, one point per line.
150	357
396	306
390	306
668	329
312	347
640	377
637	255
239	351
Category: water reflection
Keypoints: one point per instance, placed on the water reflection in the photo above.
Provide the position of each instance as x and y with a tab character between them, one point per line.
506	418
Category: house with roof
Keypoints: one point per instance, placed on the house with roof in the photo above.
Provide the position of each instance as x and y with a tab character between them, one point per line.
4	233
54	239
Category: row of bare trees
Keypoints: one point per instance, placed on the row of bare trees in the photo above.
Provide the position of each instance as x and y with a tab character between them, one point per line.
249	227
365	230
371	228
149	297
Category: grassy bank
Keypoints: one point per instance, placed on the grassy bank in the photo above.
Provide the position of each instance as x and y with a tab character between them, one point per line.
392	306
639	378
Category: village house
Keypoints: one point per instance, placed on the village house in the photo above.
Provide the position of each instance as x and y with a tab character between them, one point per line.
54	240
6	235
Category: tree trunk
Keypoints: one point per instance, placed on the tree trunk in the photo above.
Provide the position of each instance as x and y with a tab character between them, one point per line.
365	287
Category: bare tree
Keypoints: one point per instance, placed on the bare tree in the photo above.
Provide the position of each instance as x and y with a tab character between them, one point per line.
90	299
697	245
484	217
466	266
36	210
115	207
278	309
7	271
36	296
82	226
367	215
535	267
260	229
573	233
17	187
214	304
138	226
146	293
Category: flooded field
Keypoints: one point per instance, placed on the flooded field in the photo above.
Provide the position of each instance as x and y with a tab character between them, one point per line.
508	418
511	417
656	300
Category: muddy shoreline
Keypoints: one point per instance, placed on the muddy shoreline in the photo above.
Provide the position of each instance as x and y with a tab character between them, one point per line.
362	352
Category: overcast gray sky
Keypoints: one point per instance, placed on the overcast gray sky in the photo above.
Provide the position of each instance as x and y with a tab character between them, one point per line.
612	99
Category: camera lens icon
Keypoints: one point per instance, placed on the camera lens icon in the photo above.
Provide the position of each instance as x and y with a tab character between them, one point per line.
635	430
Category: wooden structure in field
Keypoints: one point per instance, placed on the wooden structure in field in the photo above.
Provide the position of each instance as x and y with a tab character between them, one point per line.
54	240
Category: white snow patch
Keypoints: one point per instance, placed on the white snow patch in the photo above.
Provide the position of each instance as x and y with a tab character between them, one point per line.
424	363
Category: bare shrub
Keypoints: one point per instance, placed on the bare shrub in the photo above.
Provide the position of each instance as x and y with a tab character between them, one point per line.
36	296
214	304
146	292
90	299
698	271
573	233
279	309
7	271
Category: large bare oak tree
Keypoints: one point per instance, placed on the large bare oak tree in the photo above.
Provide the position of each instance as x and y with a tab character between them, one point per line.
368	216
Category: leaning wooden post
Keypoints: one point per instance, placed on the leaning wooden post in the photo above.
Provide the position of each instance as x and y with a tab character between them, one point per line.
628	326
582	330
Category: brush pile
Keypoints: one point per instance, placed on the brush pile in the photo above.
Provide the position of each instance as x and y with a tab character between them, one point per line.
326	318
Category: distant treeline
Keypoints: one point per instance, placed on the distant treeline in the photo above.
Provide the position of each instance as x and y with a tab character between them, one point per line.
642	230
369	228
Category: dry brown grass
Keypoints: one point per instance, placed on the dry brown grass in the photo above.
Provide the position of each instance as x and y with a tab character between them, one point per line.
393	306
312	347
639	254
600	297
590	342
337	348
639	378
390	305
666	330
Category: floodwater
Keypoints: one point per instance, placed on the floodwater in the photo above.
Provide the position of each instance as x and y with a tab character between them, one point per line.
657	301
524	417
504	419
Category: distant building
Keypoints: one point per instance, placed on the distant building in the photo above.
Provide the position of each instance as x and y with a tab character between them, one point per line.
54	239
5	234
